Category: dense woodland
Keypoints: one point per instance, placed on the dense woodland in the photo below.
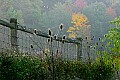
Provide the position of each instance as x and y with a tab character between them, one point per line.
80	17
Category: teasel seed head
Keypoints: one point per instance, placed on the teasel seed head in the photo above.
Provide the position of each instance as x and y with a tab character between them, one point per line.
61	26
49	32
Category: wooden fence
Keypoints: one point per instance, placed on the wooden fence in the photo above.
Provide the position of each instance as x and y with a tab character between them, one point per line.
28	40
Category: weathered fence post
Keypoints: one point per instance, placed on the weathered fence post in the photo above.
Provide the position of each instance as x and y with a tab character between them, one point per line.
13	24
79	49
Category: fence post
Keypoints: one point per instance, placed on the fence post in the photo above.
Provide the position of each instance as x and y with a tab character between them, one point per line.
79	49
13	24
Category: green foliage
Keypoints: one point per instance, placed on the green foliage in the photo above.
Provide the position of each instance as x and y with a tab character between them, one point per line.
94	71
21	68
26	67
12	13
113	36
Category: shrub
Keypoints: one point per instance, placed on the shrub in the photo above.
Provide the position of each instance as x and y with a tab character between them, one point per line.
21	68
26	67
67	70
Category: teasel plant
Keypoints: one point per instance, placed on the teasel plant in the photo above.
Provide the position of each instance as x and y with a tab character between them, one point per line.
92	47
88	52
60	30
100	45
32	48
61	26
57	43
50	41
86	46
35	31
62	45
52	54
100	49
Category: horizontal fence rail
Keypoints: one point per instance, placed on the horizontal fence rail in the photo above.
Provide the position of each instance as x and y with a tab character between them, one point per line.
28	40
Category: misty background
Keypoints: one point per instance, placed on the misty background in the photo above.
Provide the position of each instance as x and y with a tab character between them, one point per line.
44	14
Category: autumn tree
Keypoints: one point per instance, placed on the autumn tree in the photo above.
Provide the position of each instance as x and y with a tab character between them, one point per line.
111	11
80	26
79	5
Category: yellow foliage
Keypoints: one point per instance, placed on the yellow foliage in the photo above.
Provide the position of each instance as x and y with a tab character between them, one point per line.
79	21
71	29
77	29
72	35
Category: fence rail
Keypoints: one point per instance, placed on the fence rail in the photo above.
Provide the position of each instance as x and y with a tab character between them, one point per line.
29	40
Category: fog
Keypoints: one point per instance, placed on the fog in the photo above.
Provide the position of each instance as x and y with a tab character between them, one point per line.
44	14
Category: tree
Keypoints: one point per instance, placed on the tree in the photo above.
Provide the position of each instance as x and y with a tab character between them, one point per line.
98	18
113	36
12	13
79	5
117	9
80	26
32	11
111	12
59	14
8	11
4	6
49	4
